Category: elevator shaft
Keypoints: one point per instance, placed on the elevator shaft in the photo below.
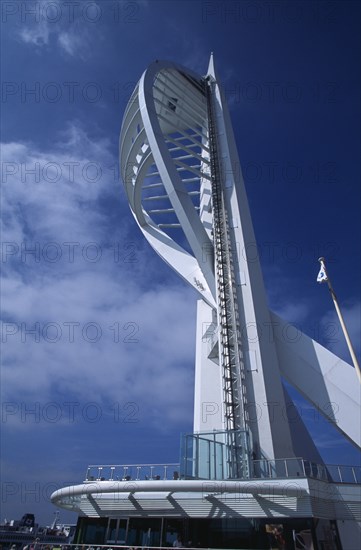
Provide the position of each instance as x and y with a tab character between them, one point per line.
230	346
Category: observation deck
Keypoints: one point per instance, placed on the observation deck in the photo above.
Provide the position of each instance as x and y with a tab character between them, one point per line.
283	468
294	487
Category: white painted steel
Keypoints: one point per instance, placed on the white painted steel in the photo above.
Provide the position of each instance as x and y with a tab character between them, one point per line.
165	166
271	498
146	142
325	380
149	125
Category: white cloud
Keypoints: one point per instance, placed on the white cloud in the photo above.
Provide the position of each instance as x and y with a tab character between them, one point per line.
69	28
54	194
68	42
293	312
142	348
73	43
142	351
37	35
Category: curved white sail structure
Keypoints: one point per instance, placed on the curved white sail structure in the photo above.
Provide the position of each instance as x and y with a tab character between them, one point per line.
164	160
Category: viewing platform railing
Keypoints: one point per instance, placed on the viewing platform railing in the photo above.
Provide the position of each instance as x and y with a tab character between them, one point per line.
134	472
260	469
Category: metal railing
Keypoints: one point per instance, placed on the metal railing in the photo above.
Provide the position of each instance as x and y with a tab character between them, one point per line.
344	474
134	472
299	467
260	469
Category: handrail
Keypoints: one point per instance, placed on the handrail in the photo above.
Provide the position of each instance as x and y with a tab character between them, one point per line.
134	472
260	469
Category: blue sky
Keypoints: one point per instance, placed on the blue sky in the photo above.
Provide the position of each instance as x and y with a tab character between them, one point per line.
97	333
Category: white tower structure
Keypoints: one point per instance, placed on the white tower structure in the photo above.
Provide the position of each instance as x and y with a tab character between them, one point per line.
183	180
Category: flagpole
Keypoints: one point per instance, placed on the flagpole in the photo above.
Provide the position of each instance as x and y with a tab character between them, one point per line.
341	319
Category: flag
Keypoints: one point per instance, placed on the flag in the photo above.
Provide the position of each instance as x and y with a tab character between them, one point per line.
322	275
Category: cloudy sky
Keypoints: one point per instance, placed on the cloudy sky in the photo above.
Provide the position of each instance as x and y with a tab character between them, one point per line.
97	333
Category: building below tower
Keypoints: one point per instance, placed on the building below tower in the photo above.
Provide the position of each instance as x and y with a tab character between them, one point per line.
292	504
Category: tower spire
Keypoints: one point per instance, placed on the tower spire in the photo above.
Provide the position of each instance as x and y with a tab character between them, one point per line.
211	67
